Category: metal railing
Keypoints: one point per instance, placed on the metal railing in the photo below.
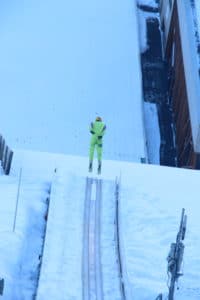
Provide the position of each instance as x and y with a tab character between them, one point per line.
175	256
117	193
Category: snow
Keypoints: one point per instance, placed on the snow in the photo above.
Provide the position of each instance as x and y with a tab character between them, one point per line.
20	240
63	247
142	16
85	54
152	132
151	199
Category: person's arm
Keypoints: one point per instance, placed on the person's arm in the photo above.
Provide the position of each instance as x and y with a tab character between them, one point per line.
104	129
91	128
102	132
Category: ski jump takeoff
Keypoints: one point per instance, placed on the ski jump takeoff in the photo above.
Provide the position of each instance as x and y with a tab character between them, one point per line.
97	129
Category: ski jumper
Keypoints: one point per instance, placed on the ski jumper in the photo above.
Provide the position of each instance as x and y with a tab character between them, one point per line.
97	129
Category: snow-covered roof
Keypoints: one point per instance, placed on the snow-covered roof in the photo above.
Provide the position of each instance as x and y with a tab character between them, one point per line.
195	4
189	40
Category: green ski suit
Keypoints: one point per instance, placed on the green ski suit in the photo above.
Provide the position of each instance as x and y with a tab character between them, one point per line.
97	129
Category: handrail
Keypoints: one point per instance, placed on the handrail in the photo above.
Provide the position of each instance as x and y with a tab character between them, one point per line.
122	286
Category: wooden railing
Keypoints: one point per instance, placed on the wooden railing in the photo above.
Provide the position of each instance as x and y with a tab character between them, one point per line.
6	155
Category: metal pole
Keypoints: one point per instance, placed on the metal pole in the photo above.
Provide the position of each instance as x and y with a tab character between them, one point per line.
171	288
177	255
17	201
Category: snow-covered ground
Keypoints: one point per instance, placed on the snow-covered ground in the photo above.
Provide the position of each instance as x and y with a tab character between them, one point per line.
151	200
21	232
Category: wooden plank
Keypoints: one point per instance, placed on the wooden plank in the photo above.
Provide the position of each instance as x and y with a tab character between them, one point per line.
178	94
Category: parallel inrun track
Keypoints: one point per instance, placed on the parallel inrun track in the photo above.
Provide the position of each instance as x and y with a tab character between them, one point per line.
92	277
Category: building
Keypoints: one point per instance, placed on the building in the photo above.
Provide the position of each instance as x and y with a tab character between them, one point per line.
179	21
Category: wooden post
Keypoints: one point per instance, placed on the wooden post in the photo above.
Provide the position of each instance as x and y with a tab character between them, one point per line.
8	162
4	157
2	149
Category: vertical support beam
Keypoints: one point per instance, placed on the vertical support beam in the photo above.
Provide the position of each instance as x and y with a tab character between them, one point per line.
6	155
9	162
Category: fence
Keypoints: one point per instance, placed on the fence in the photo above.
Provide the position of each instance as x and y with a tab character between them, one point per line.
6	155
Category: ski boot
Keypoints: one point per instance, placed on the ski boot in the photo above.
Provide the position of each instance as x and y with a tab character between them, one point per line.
90	166
99	168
